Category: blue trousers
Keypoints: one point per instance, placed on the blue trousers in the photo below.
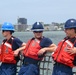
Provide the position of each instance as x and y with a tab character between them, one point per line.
30	69
8	69
62	70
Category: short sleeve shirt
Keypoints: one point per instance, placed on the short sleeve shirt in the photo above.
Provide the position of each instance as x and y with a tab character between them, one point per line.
45	42
16	43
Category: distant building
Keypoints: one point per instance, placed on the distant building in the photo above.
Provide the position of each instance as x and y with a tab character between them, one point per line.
47	27
53	26
22	24
22	21
29	28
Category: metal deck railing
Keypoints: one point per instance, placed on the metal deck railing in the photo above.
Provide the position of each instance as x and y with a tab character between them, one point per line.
46	65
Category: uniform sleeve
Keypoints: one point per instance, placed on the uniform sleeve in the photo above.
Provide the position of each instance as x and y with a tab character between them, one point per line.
16	43
75	45
74	61
45	42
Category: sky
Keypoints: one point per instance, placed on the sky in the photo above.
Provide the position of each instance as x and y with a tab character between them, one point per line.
46	11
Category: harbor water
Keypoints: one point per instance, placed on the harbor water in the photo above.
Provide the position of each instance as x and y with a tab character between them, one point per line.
55	36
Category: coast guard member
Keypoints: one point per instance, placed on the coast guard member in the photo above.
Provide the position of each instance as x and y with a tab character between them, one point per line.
10	48
65	54
34	51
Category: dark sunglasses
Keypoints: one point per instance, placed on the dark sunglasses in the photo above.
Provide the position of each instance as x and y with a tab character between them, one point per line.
68	28
3	30
38	31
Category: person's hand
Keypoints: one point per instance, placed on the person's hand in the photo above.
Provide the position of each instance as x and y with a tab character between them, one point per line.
41	51
16	52
71	50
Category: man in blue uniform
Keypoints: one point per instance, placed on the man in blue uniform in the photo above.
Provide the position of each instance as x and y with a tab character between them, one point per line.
9	50
35	50
65	54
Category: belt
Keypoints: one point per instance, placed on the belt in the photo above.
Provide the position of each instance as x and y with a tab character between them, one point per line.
60	64
56	63
27	63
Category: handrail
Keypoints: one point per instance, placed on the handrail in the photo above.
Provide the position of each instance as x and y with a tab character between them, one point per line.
46	65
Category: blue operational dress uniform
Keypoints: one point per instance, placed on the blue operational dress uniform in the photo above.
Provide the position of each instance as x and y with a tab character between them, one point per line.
62	68
7	68
32	67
